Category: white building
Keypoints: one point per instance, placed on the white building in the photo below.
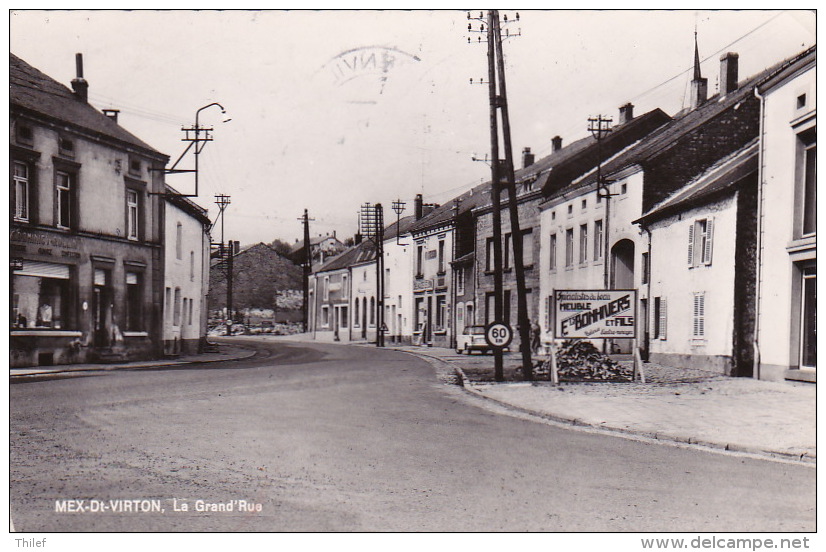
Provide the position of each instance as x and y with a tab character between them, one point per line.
786	335
699	280
186	275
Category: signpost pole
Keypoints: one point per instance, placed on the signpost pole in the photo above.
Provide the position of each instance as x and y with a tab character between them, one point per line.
554	368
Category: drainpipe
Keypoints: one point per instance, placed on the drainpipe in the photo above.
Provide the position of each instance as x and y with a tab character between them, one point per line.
759	260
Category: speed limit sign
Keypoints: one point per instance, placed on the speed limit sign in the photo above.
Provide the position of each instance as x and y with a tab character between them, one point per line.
498	335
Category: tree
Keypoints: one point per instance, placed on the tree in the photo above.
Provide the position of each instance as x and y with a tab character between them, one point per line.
282	247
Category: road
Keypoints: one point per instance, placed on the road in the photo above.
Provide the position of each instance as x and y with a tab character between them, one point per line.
344	438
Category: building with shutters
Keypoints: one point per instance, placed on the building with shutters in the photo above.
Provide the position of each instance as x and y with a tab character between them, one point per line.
86	244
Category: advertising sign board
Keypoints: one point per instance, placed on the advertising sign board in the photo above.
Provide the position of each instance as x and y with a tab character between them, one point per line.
595	314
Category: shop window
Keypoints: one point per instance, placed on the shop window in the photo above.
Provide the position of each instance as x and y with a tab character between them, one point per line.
134	302
441	312
41	295
808	330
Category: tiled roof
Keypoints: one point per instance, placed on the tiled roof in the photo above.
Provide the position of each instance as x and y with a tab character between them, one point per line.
32	90
719	178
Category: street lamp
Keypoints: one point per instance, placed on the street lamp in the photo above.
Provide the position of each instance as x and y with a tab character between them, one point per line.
398	207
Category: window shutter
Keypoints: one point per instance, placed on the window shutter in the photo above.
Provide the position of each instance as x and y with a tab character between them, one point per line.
691	244
663	318
709	235
43	270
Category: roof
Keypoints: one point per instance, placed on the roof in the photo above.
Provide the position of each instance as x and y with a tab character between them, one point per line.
721	177
315	240
186	204
581	156
32	90
362	253
475	197
684	123
789	68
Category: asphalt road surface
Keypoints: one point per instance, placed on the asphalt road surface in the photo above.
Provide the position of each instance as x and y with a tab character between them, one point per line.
347	438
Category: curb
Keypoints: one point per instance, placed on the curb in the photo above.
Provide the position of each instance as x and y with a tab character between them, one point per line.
468	387
249	353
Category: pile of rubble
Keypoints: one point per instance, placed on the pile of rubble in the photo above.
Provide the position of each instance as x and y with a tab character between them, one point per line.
578	360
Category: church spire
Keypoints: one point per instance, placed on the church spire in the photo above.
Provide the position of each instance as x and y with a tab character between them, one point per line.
699	85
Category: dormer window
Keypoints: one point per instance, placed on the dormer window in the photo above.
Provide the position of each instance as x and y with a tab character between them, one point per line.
24	135
66	146
135	166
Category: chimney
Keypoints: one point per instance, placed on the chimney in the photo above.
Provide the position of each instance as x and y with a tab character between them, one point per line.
626	113
79	84
112	114
527	158
418	207
357	238
556	144
728	73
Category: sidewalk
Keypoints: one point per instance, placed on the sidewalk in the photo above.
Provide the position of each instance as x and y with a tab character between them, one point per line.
692	407
226	351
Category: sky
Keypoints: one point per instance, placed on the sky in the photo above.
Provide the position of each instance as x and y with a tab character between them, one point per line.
333	109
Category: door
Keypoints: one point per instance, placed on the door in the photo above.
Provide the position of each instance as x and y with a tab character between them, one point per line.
102	307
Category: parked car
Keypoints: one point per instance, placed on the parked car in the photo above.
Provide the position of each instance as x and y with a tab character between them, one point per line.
472	339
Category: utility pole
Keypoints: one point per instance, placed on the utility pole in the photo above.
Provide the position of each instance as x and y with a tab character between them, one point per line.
372	223
516	233
222	201
600	126
502	172
308	267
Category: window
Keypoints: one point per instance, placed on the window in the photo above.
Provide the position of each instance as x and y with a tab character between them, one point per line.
167	305
66	146
41	294
441	312
179	242
570	210
808	330
419	260
134	302
700	234
325	316
552	252
372	311
441	256
132	214
191	266
489	260
527	248
135	166
809	176
599	240
624	188
645	268
569	247
490	307
189	314
326	290
21	191
356	322
345	316
345	288
553	215
660	318
176	316
24	134
698	322
583	243
584	204
64	186
460	282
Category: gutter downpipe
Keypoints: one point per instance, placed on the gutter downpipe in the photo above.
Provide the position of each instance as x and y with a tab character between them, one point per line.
760	227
